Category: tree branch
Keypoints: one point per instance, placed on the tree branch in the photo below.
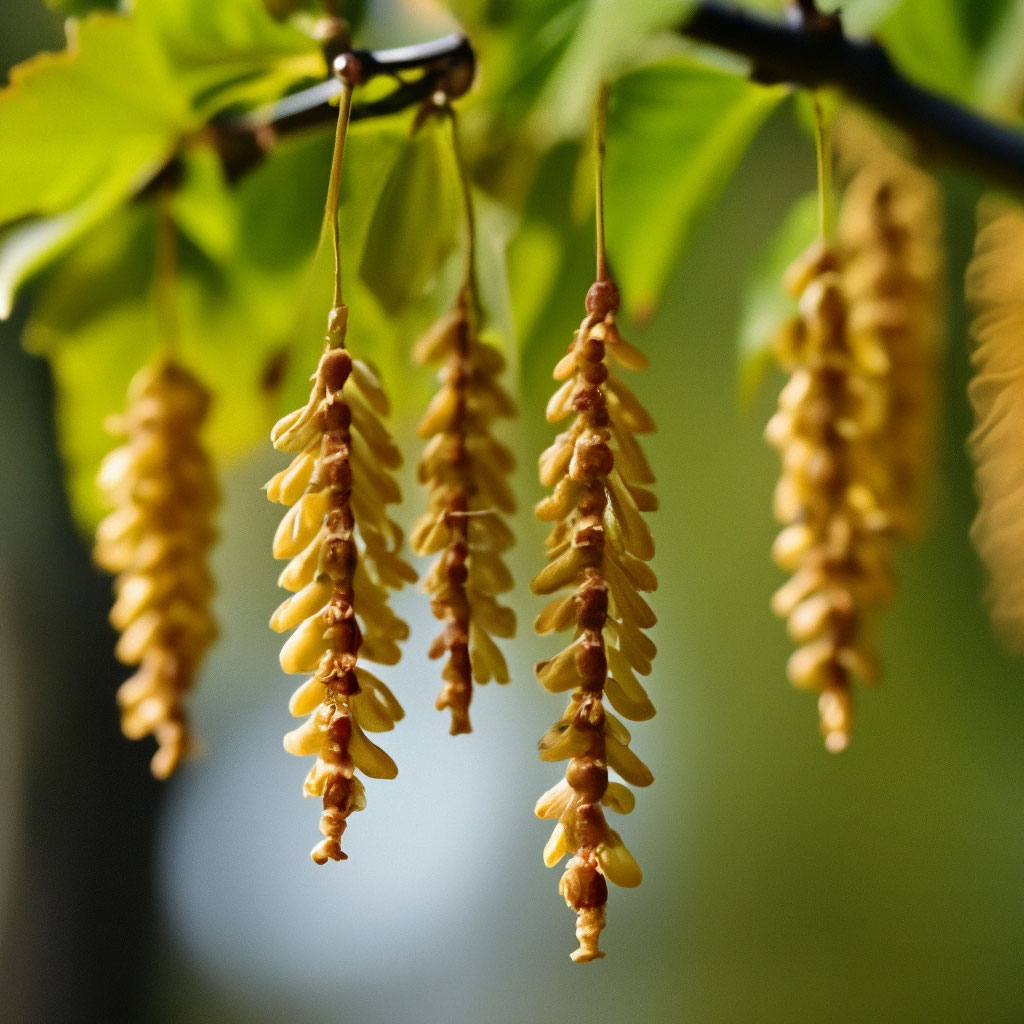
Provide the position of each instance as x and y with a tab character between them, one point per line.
815	54
243	139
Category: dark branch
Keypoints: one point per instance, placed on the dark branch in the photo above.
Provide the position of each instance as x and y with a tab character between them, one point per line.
816	54
243	139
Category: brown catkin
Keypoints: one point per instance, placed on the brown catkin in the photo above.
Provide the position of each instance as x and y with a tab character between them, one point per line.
597	551
835	541
890	229
995	288
466	473
343	553
157	540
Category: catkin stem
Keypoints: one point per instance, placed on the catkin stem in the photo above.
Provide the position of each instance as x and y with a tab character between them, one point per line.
823	149
334	184
600	131
466	188
165	272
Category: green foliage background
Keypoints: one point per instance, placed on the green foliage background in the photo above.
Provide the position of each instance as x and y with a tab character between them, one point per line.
781	884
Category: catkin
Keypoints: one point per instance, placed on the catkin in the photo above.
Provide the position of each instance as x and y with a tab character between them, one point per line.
597	553
835	541
162	487
466	473
995	287
889	231
343	553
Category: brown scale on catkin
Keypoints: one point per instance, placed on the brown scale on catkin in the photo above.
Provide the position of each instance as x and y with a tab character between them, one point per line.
466	473
157	540
835	540
995	288
889	229
598	551
344	558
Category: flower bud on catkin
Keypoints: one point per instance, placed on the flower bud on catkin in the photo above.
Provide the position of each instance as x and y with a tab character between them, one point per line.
466	474
597	551
157	540
344	557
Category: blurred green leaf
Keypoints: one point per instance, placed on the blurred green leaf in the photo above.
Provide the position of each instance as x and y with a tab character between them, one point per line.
30	244
79	7
930	43
765	304
1000	76
251	299
550	62
417	222
230	52
105	111
676	132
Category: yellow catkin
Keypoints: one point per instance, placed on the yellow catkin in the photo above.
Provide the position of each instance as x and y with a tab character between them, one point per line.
466	473
157	540
995	288
889	230
597	552
835	541
343	553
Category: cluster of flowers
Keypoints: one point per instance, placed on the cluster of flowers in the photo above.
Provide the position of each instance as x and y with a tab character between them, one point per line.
854	426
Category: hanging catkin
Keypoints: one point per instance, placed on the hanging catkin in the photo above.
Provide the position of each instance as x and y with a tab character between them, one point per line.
835	541
157	540
343	552
995	287
889	229
344	555
465	471
597	552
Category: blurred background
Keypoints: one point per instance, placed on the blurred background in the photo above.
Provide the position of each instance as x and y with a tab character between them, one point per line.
781	884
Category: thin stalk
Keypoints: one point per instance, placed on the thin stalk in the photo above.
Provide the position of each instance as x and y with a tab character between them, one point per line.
331	212
469	280
165	273
823	149
600	130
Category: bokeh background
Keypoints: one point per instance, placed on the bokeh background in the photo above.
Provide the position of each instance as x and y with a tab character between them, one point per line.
781	884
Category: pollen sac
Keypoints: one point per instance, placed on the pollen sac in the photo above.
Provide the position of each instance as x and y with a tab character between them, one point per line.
596	575
157	540
343	560
466	474
831	496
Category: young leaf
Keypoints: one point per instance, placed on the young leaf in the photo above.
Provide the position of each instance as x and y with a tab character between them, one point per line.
766	305
676	132
416	223
104	111
930	43
230	53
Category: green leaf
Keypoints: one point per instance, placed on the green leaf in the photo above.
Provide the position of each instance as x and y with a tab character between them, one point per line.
103	115
29	245
930	43
766	305
230	52
1000	81
676	132
417	222
79	7
563	51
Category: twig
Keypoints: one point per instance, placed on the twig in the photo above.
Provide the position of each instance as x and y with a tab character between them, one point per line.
243	139
816	54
